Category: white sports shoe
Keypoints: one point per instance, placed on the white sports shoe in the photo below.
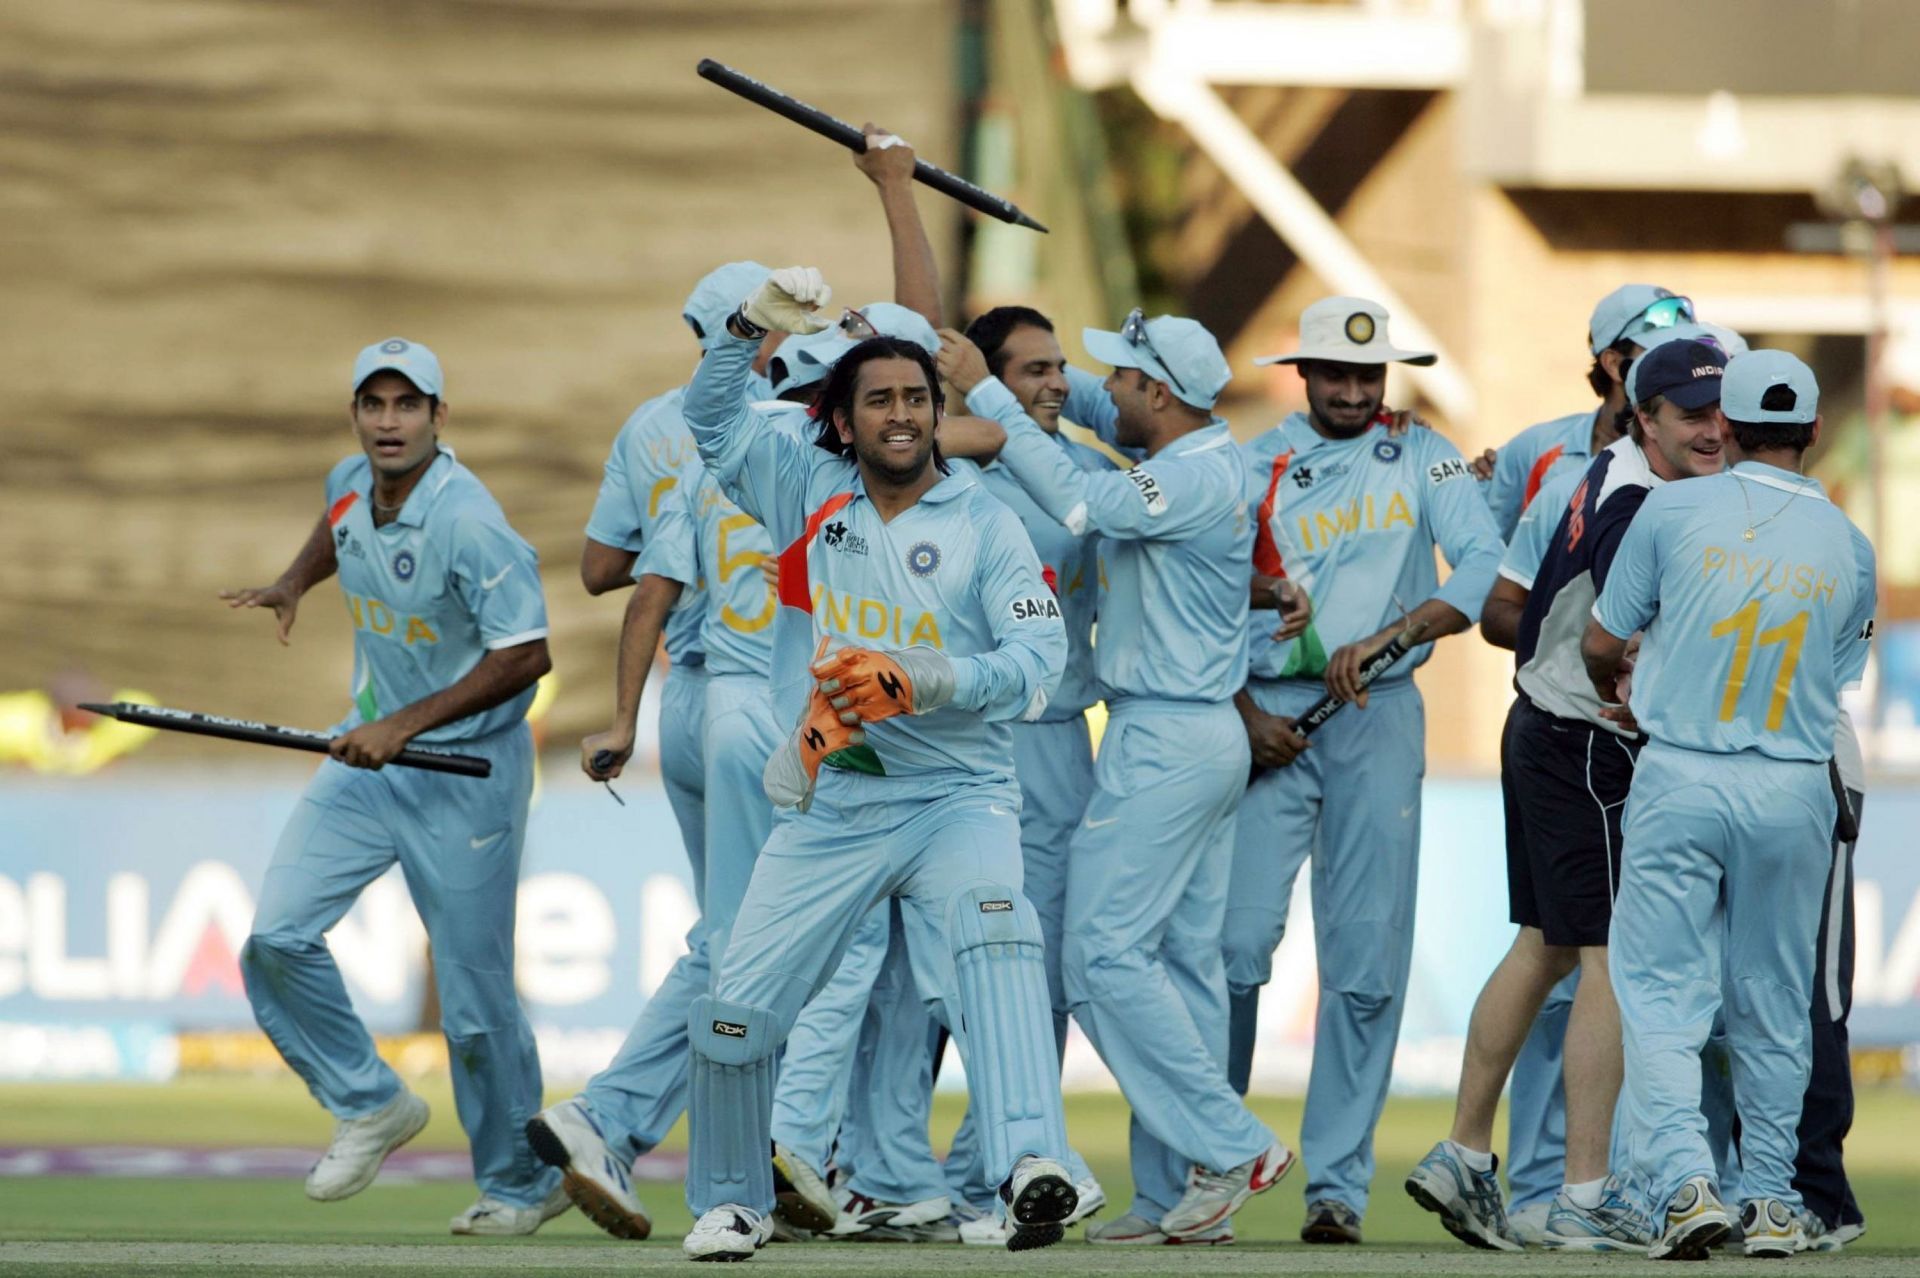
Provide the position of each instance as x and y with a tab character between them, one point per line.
565	1136
492	1217
1133	1230
360	1145
801	1196
1529	1224
1694	1223
864	1219
1092	1199
729	1232
1213	1197
1037	1200
1768	1228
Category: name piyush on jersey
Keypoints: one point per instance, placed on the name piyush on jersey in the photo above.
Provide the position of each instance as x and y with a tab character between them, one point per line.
1776	576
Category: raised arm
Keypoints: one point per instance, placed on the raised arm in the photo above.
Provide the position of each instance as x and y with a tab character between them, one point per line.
754	462
888	163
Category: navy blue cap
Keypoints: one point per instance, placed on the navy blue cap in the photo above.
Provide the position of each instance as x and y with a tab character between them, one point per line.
1688	373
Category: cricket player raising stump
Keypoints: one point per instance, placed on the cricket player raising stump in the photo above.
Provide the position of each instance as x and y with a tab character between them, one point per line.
931	627
449	640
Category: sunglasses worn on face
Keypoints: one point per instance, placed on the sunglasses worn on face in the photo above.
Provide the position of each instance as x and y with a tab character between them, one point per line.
1135	333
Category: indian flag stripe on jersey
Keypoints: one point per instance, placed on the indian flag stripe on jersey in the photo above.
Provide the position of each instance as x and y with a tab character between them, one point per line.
796	585
1308	656
365	698
339	509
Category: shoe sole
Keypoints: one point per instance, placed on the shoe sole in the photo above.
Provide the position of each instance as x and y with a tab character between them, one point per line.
1328	1235
1045	1201
1034	1237
1770	1250
1038	1214
594	1202
373	1173
1696	1242
1421	1193
793	1206
1556	1243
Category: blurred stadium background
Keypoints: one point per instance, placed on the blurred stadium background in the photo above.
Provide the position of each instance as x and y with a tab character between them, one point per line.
209	205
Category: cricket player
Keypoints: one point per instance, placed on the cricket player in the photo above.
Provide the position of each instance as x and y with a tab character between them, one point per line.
893	1181
1358	513
1755	596
449	639
914	625
1616	334
1621	322
699	537
1147	865
1565	770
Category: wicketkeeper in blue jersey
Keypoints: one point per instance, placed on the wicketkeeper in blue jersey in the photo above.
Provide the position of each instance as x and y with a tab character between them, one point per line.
449	639
914	625
1358	512
1755	596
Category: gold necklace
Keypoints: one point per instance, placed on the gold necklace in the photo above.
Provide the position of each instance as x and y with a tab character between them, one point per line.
1748	502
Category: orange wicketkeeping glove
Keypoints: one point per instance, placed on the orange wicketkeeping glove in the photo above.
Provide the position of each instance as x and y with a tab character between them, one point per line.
790	774
872	685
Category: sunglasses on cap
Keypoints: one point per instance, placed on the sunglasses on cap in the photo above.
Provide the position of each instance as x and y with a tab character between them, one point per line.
1664	313
856	325
1134	331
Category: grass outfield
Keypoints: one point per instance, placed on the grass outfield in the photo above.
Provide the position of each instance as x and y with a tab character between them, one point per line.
57	1226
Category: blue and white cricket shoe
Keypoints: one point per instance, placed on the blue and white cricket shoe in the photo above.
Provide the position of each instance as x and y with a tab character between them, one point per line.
1468	1202
1615	1225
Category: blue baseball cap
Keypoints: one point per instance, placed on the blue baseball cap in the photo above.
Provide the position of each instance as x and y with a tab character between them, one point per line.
1710	334
1751	378
1634	310
1168	348
718	295
888	319
409	359
1688	373
793	364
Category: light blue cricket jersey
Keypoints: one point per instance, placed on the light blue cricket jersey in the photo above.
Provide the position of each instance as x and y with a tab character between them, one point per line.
431	592
954	572
641	469
1356	521
1176	544
1527	545
1537	454
1748	643
703	538
1072	561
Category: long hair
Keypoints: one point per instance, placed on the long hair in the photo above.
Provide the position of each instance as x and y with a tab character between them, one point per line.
836	393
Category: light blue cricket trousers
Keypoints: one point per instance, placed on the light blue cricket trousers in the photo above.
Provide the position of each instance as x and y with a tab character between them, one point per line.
457	841
1352	801
948	849
1141	963
642	1092
1053	760
1724	864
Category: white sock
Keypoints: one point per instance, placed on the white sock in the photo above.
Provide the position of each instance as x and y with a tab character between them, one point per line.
1479	1160
1587	1194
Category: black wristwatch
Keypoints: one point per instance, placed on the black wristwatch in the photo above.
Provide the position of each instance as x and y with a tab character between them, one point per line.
740	326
